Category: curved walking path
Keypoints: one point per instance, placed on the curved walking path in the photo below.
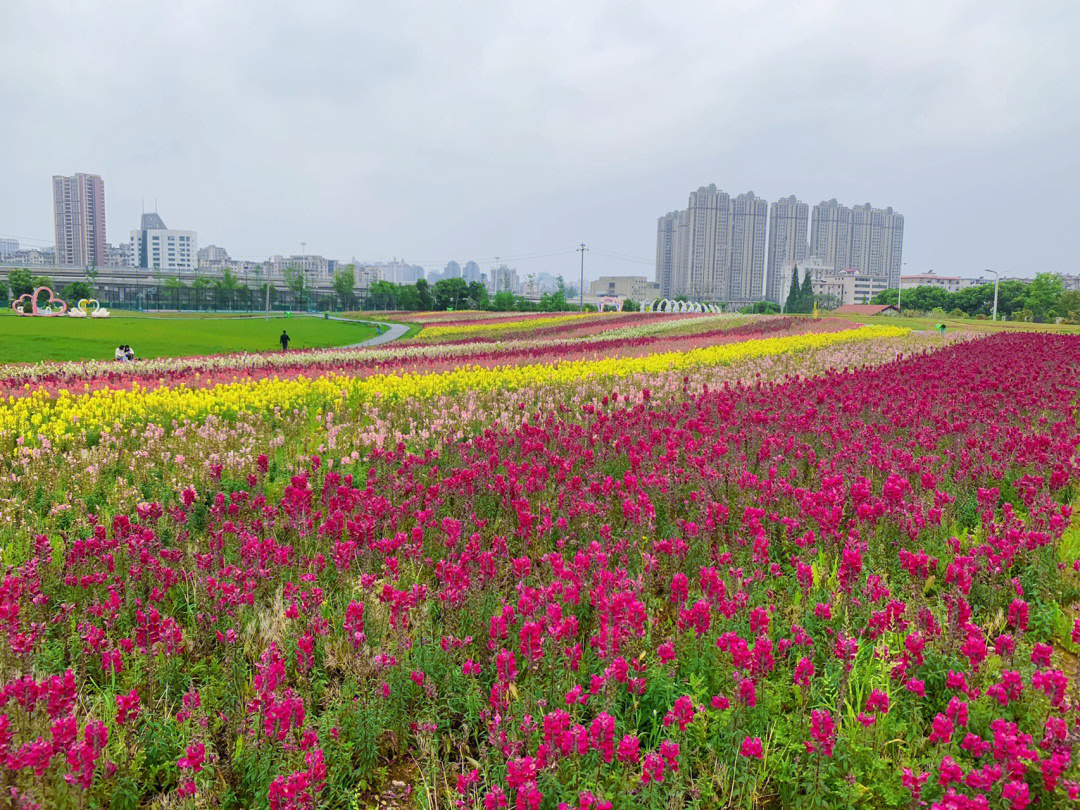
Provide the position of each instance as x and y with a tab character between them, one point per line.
396	331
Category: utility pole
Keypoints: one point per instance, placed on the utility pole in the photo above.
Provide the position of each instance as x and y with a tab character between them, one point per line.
899	284
266	272
581	282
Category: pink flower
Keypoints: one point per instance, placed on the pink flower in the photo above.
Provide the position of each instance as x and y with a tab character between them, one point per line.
752	747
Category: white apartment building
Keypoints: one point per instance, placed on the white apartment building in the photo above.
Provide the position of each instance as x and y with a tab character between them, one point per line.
931	279
316	268
1069	281
844	286
8	247
636	288
155	247
789	222
212	254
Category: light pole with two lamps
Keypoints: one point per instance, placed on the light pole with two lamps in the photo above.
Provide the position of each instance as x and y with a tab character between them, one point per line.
995	272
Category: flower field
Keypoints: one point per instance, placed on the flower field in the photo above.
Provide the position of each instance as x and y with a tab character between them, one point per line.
588	562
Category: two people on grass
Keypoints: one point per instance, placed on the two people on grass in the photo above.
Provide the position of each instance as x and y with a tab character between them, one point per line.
124	353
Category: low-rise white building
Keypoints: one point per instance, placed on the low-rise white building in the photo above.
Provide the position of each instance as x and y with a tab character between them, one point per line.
932	279
155	247
636	288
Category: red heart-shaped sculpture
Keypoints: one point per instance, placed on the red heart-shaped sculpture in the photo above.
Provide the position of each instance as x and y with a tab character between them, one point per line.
19	303
48	313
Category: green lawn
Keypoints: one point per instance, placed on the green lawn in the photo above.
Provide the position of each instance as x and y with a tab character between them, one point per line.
956	324
63	338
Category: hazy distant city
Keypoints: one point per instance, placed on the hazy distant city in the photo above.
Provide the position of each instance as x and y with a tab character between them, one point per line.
736	250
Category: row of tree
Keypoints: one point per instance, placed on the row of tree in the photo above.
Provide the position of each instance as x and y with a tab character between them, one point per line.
1043	299
456	293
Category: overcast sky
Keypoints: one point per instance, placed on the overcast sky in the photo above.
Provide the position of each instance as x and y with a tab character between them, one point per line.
464	130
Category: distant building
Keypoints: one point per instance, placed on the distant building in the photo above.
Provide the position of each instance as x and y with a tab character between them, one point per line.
932	279
316	268
636	288
212	254
867	239
471	272
118	255
746	280
155	247
665	243
505	279
843	287
8	246
79	219
399	272
30	257
1068	281
789	222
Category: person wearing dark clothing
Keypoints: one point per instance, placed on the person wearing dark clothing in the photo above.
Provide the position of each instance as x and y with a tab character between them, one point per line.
284	340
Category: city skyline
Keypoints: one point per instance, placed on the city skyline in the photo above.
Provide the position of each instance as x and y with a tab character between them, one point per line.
371	134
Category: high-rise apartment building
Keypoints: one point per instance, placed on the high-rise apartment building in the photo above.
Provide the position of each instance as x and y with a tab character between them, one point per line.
155	247
892	247
746	280
8	247
830	234
79	219
471	272
728	249
665	234
864	238
789	222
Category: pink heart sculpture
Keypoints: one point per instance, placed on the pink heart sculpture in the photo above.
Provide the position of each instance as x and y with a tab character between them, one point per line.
48	312
18	305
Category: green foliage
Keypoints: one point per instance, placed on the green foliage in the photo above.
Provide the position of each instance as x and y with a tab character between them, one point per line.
792	303
1038	300
344	282
761	308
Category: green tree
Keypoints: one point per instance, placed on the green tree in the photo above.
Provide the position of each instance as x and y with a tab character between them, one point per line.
503	301
792	303
1043	294
761	308
344	283
21	282
478	295
408	297
3	291
383	294
423	294
75	291
806	294
450	293
630	305
296	281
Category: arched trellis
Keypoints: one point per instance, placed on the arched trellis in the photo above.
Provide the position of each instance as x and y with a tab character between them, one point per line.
671	306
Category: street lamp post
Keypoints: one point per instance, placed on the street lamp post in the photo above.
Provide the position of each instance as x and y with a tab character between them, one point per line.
995	272
899	286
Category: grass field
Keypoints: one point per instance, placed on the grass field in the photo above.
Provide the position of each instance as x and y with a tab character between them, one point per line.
955	324
34	339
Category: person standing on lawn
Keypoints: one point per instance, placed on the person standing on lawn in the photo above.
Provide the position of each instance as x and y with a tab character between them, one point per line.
284	339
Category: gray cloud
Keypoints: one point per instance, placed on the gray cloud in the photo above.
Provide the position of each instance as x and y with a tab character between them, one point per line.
436	130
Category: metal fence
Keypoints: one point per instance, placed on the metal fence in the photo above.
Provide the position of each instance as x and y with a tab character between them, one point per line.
210	299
